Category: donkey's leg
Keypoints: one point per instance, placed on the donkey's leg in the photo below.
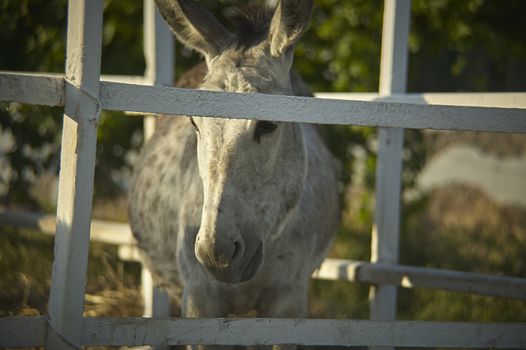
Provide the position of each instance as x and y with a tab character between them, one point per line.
284	302
201	302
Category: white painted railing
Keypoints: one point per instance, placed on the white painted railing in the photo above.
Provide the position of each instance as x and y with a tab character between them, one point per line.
443	112
97	331
83	94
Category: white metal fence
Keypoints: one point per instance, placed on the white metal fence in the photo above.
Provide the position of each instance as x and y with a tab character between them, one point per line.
83	94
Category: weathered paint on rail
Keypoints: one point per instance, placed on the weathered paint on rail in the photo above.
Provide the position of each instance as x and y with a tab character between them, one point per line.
314	332
166	100
408	111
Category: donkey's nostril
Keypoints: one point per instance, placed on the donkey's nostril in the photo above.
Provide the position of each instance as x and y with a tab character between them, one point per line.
238	247
219	252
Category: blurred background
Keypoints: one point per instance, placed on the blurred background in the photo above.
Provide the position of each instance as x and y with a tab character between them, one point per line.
464	203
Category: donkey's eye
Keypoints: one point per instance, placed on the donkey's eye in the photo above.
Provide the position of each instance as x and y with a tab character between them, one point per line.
262	128
193	123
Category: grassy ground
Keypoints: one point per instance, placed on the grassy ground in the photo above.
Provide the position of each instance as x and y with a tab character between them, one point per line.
457	228
26	259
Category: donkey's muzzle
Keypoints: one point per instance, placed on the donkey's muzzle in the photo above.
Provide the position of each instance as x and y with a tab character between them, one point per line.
229	260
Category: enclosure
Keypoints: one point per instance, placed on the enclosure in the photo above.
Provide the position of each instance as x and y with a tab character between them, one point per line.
84	93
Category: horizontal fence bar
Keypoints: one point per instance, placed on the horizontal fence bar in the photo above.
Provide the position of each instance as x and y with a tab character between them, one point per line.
409	113
422	277
331	269
101	231
167	100
313	332
27	83
474	99
138	331
32	88
46	89
127	79
23	332
132	331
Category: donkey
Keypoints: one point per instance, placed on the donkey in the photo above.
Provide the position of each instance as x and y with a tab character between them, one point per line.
236	214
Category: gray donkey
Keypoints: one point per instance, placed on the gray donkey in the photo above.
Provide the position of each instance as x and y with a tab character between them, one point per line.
236	214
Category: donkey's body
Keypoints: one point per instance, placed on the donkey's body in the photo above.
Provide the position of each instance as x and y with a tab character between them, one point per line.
236	213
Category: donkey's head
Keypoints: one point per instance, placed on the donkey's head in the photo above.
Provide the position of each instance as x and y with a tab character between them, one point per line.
252	171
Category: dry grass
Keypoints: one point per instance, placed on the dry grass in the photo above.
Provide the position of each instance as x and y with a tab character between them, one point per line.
462	228
456	228
25	267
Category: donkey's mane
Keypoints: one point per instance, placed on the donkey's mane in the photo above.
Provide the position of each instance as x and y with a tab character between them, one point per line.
252	23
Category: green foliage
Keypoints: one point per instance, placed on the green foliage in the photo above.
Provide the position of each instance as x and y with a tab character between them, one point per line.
341	50
34	32
35	136
32	37
473	45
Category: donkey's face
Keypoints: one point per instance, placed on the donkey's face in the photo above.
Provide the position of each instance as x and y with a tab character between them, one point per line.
252	171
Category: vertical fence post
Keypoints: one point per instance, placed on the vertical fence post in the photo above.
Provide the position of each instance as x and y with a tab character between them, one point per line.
159	55
386	229
156	301
79	142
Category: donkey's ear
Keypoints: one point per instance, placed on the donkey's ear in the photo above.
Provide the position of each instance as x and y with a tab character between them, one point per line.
288	24
195	26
